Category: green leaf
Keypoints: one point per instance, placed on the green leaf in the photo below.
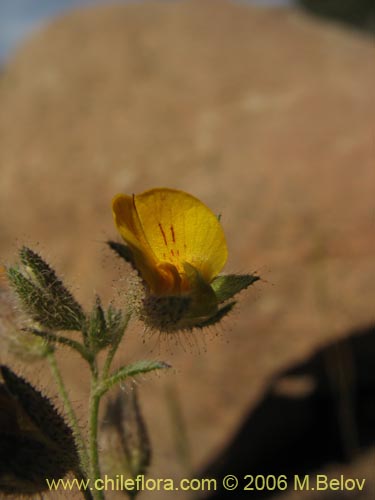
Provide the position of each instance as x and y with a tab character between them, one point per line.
47	420
116	322
43	274
106	328
46	277
53	338
26	463
33	299
97	328
35	443
226	286
131	371
43	295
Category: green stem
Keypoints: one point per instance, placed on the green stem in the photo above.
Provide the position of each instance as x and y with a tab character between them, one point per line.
93	434
95	397
69	409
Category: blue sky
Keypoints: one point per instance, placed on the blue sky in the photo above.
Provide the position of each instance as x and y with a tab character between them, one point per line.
19	18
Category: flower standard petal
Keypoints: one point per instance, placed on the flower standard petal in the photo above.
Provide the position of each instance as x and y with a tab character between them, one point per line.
179	228
166	228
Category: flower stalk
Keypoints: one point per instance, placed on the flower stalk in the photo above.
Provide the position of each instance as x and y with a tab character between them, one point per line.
71	415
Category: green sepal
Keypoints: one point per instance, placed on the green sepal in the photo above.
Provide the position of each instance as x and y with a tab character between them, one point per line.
227	286
203	301
216	318
166	312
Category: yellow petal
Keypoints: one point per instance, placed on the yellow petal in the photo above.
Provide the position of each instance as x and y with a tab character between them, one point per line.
167	229
128	223
180	229
130	228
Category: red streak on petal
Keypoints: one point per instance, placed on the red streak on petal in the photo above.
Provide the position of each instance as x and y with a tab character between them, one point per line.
173	235
163	234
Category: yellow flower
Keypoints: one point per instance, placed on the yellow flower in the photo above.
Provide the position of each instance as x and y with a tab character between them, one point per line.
178	247
167	229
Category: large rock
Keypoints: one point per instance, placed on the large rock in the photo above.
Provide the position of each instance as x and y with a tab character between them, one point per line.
266	115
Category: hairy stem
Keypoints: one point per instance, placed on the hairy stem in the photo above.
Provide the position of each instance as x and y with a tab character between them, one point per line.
95	397
93	435
69	409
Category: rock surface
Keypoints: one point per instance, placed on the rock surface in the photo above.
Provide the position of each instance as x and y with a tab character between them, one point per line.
265	115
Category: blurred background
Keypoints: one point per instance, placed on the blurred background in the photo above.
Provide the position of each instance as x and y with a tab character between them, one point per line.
264	111
19	18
